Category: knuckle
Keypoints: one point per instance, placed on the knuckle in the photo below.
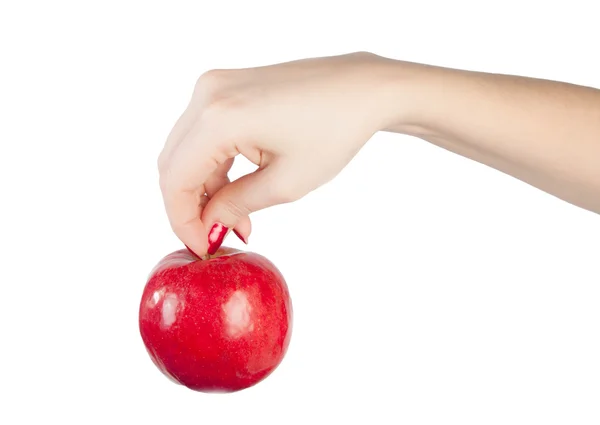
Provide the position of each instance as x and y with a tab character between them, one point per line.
162	183
164	179
209	81
236	210
219	100
363	54
161	162
213	85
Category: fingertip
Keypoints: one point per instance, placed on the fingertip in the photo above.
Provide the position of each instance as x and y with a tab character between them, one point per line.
193	237
184	209
217	232
198	249
243	229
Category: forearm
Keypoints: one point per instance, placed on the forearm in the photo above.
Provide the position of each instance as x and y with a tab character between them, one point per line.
542	132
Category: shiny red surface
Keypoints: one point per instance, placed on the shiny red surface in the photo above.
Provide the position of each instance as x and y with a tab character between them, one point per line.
216	325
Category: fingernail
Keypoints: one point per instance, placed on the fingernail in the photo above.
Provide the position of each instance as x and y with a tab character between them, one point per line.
215	237
240	236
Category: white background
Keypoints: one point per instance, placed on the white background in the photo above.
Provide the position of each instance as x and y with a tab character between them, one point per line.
427	289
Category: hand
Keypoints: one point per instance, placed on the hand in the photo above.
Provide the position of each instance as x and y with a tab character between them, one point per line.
300	122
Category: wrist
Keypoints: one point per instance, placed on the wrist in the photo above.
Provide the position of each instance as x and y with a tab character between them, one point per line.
408	95
395	96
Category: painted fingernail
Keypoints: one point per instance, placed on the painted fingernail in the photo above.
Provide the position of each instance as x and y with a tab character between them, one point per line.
240	236
215	237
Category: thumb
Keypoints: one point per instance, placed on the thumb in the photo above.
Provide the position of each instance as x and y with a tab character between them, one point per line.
234	201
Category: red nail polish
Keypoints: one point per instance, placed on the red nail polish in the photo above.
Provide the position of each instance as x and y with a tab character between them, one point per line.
240	236
215	237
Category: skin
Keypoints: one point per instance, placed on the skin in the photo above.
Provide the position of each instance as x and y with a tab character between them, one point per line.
302	122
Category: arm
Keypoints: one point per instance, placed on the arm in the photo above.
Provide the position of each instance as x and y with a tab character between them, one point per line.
545	133
301	122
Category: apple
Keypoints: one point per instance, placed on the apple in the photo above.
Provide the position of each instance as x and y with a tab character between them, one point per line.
216	324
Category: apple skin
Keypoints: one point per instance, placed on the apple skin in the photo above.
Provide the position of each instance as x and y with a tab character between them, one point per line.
220	324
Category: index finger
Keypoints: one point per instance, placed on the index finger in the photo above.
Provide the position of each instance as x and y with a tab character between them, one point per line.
184	210
182	185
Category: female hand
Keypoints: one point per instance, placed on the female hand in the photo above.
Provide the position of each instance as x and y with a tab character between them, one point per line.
300	122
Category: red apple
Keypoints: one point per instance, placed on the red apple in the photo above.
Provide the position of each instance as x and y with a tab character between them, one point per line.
219	324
